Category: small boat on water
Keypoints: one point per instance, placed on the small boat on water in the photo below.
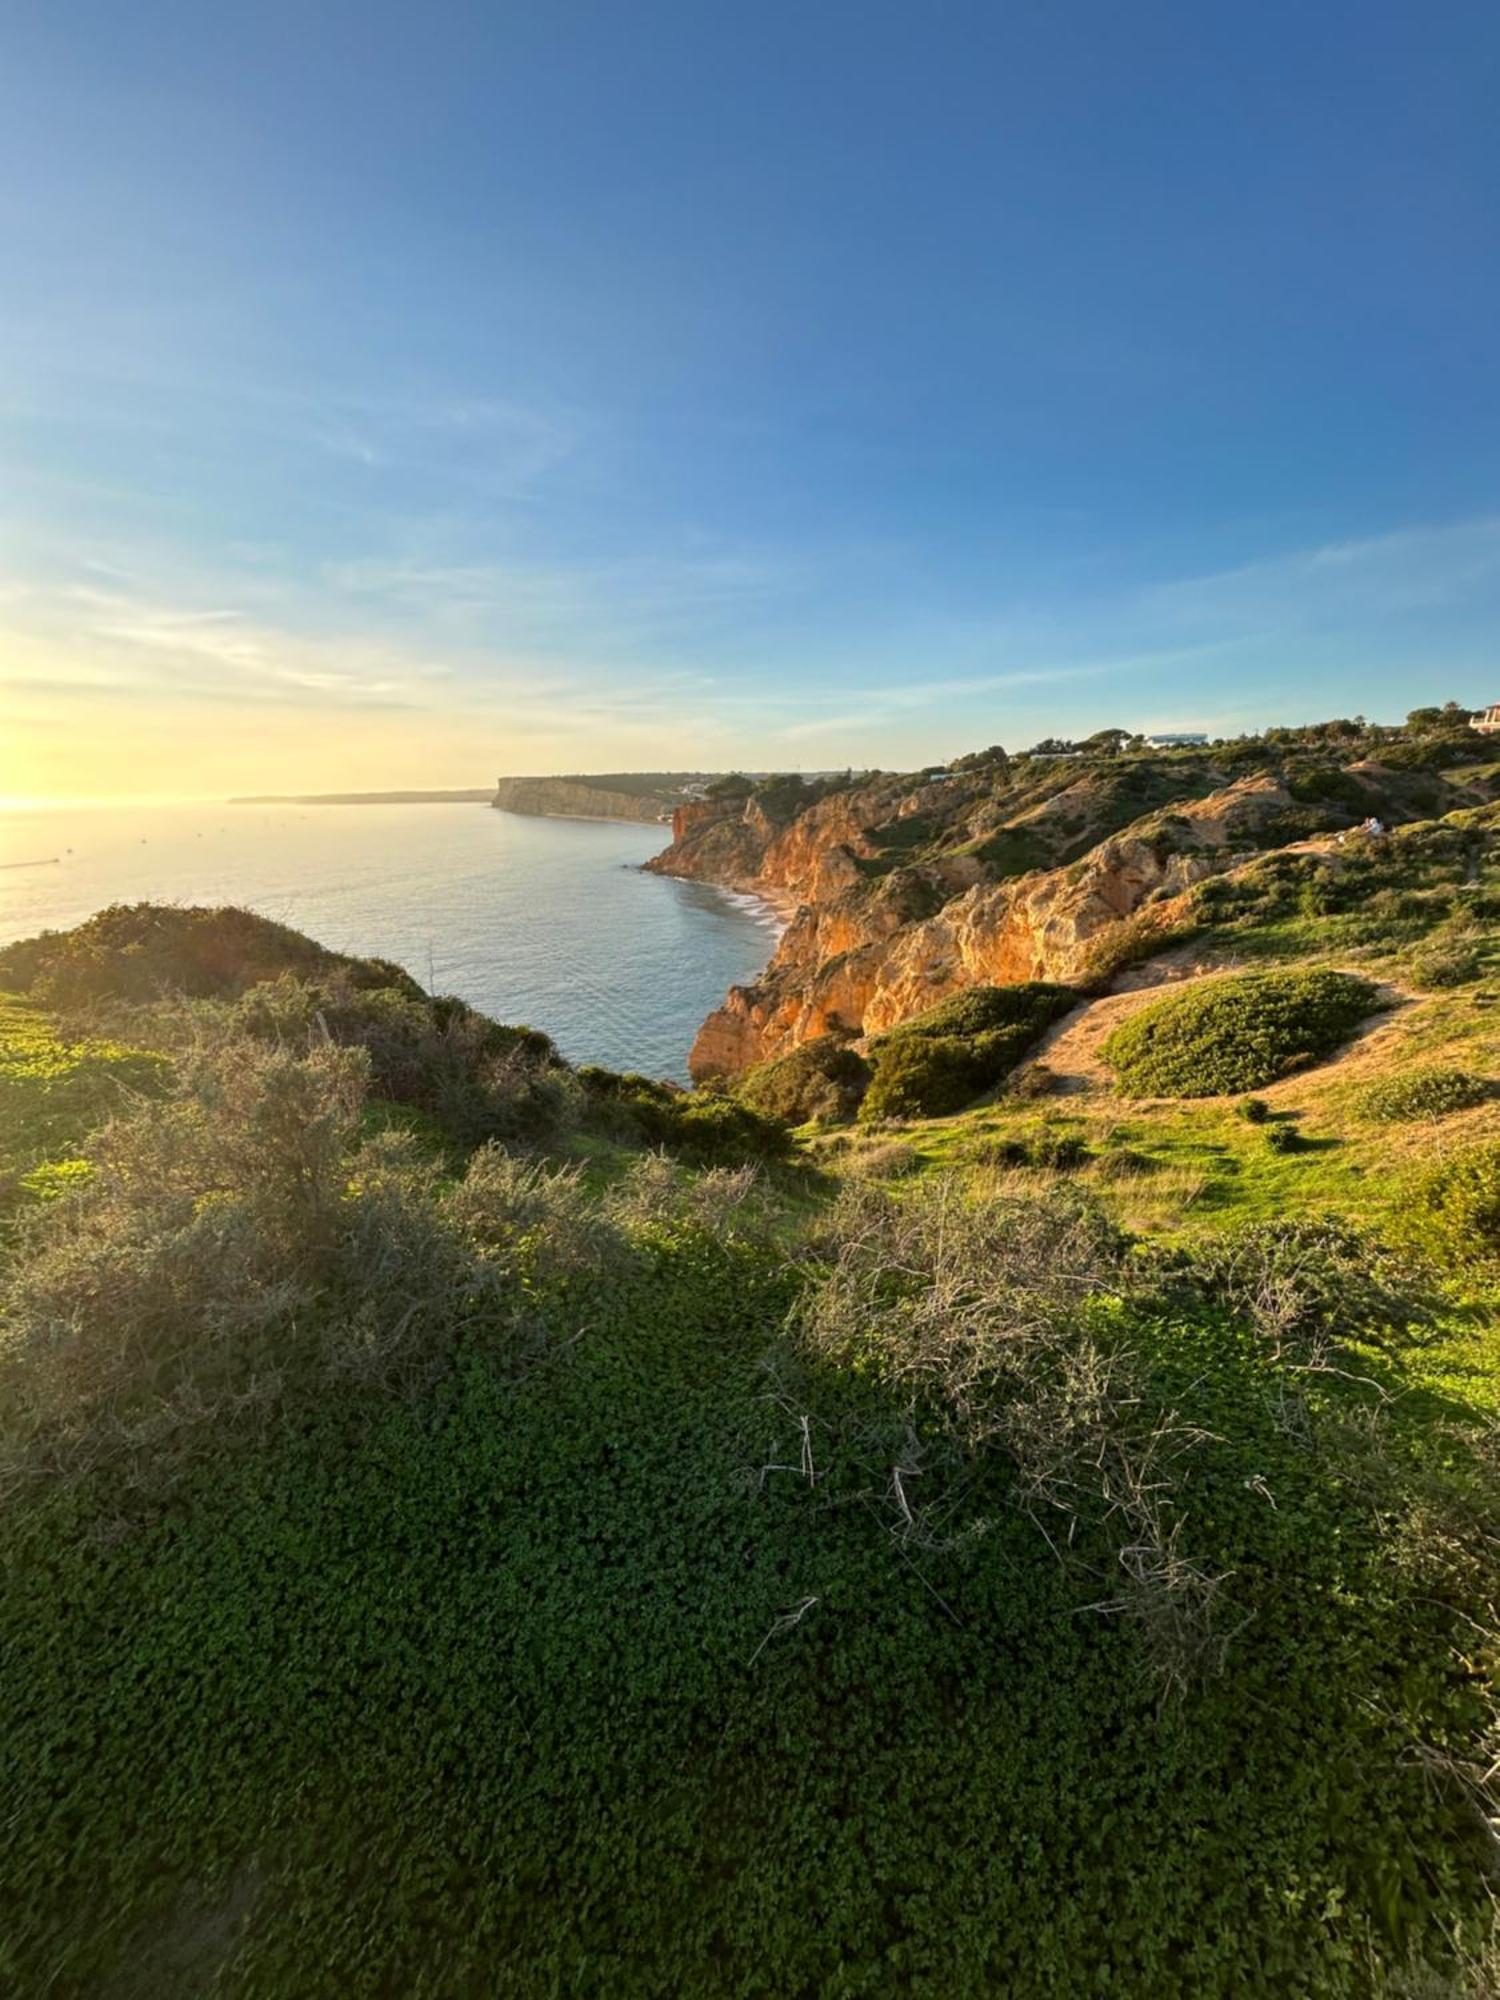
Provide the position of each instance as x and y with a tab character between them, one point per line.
46	861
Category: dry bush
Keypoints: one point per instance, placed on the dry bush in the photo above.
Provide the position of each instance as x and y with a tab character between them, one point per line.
892	1161
983	1313
141	1305
1309	1287
524	1211
727	1203
235	1244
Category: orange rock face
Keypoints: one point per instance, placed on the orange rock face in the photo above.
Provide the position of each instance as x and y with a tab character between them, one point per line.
864	954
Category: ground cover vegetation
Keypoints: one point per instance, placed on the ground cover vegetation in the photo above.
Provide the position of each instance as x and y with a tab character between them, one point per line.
1236	1033
469	1524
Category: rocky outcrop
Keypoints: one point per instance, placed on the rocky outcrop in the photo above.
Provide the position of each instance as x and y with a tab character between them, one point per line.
572	798
863	955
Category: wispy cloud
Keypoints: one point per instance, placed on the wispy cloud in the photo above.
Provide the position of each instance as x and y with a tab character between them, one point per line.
1410	570
642	649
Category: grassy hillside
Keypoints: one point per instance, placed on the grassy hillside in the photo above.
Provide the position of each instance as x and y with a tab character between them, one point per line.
474	1526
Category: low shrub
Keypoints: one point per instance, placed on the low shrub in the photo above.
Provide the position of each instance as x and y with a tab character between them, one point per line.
1061	1151
142	951
1254	1110
150	1301
928	1076
1308	1286
1229	1034
1424	1093
1445	963
657	1198
1132	940
824	1078
1284	1138
479	1079
701	1125
1122	1163
944	1059
1453	1207
892	1161
983	1314
236	1244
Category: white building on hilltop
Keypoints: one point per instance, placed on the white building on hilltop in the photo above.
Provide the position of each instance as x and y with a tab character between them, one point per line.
1488	721
1183	739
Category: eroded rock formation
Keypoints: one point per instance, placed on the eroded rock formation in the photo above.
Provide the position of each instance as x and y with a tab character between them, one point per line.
909	890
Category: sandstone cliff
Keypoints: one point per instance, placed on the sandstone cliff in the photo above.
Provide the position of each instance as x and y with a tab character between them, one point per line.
572	798
911	888
862	968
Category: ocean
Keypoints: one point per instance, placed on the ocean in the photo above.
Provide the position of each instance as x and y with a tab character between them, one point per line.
544	921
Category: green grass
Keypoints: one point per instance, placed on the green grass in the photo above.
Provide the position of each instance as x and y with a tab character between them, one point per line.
53	1091
517	1701
540	1609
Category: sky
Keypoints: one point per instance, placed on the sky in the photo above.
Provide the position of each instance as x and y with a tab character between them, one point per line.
403	396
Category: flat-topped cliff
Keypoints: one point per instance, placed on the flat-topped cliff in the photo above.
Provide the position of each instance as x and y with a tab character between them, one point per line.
577	798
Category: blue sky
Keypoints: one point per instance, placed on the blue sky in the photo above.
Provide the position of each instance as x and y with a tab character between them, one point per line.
404	395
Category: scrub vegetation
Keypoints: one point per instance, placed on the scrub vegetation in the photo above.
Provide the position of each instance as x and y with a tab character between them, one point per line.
474	1525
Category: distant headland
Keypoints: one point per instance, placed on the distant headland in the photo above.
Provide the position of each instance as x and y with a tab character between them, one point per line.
477	796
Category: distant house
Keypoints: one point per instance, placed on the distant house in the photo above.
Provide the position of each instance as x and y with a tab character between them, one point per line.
1182	739
1487	723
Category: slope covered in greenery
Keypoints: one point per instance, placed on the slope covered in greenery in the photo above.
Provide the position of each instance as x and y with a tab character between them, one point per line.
466	1528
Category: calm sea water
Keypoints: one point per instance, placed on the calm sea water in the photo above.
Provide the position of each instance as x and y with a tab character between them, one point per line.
544	921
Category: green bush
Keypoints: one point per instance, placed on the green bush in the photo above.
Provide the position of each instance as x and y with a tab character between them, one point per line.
1222	1035
477	1078
1453	1209
943	1059
143	951
1424	1093
701	1125
926	1077
824	1078
1284	1139
1254	1110
1061	1151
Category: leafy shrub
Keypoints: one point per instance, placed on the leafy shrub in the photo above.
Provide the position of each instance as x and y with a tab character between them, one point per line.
1453	1209
1321	782
1061	1151
1284	1138
479	1079
1254	1110
142	951
1424	1093
942	1060
701	1125
1235	1033
927	1076
824	1078
1001	1153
